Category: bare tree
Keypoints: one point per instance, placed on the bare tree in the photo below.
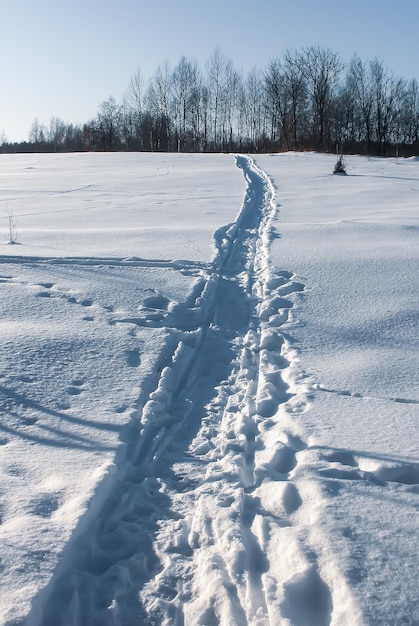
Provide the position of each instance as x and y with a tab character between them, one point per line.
277	103
387	90
74	138
255	108
299	102
158	99
186	82
133	111
355	99
232	97
37	132
56	133
197	110
321	69
285	90
296	91
410	113
109	122
205	116
134	94
216	70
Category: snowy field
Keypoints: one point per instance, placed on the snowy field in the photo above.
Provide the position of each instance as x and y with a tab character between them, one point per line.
209	391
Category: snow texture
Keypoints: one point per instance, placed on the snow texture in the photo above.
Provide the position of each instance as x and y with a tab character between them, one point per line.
208	424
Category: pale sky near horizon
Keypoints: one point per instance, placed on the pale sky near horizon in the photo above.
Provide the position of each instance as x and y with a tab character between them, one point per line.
63	59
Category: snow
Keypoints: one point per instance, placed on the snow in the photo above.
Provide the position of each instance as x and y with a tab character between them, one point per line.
209	390
353	242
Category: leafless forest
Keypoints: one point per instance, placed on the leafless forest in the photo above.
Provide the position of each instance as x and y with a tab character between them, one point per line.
304	100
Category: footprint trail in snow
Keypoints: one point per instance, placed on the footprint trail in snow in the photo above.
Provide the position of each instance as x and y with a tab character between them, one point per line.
211	519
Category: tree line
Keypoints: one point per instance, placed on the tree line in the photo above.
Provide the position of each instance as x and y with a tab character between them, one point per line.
305	100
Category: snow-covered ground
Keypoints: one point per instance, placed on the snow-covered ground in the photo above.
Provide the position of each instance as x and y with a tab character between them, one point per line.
353	242
209	394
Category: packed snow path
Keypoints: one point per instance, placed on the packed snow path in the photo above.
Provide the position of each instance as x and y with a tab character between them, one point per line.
211	520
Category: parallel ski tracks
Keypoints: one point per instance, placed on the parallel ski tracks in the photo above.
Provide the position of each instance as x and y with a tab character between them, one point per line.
207	522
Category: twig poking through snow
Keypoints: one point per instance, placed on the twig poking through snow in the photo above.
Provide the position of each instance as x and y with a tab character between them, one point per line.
11	226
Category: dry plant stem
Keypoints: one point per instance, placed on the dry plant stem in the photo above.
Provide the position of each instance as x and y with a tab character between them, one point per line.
11	225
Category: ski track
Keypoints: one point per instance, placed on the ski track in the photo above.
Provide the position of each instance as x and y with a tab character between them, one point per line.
211	518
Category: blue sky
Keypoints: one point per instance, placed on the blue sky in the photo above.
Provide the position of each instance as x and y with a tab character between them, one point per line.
63	58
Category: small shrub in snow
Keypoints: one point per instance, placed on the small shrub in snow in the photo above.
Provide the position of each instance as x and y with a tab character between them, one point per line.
340	167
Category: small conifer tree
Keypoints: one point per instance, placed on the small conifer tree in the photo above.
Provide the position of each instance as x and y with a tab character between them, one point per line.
340	166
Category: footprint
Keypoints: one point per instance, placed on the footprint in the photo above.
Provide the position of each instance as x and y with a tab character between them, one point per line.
157	302
168	588
16	470
266	400
274	283
26	379
250	507
46	285
278	319
295	442
133	358
186	318
406	474
75	388
225	501
291	288
291	500
29	421
184	484
271	340
44	505
279	279
270	394
154	316
340	456
272	306
285	274
340	474
283	459
307	599
141	322
209	617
